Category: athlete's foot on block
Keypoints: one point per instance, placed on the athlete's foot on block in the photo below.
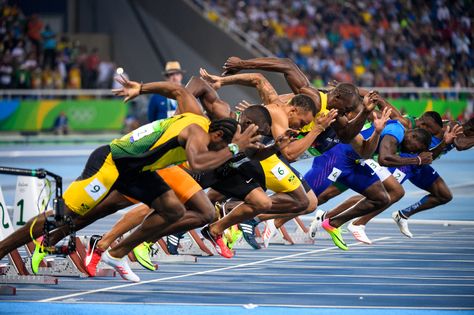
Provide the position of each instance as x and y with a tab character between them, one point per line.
121	266
172	242
315	226
358	231
270	230
142	253
37	258
248	230
335	234
217	242
402	224
93	255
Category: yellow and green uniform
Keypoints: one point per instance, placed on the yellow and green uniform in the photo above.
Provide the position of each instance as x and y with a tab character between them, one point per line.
127	164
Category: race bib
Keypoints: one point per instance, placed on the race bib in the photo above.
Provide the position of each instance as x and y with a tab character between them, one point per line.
334	174
141	132
280	171
371	163
399	175
95	189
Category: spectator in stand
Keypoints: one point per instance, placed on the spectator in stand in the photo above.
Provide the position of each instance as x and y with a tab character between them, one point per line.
61	124
380	43
49	48
160	107
34	33
92	67
6	72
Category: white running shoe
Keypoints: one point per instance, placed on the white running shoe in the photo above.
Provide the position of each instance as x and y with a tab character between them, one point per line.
359	233
270	230
315	226
402	224
121	266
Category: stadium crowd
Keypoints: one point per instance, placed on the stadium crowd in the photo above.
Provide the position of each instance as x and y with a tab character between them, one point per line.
33	56
370	43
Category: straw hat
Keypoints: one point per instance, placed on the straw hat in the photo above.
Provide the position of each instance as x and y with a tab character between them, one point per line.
172	67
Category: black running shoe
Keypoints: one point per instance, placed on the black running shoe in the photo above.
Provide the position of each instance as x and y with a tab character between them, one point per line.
248	229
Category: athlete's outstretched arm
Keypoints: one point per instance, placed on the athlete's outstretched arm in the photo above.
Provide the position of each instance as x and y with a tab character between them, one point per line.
293	75
388	154
257	80
215	107
131	89
366	148
451	133
200	158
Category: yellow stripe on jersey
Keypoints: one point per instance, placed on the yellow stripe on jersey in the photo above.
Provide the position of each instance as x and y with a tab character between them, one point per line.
324	110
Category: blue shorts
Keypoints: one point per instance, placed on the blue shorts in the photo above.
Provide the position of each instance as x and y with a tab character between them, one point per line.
422	176
339	164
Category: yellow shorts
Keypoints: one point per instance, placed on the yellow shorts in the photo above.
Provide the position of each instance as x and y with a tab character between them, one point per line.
278	176
84	194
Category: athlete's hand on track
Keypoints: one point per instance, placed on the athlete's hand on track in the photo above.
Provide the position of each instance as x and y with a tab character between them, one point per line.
129	90
231	66
325	120
379	123
451	134
426	158
247	139
213	80
243	105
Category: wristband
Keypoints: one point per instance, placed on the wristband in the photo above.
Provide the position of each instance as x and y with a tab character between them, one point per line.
140	91
234	148
419	159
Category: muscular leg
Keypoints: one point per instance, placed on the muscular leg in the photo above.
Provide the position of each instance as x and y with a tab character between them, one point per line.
256	202
281	219
394	190
128	221
329	193
439	195
376	197
167	210
22	236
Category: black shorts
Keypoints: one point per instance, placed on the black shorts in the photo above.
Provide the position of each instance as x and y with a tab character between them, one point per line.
144	187
235	185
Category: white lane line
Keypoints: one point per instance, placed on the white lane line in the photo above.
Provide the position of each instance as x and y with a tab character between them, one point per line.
302	306
198	273
45	153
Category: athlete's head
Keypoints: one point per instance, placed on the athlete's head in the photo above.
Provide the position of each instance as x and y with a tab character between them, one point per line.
431	121
221	132
258	115
416	141
345	97
302	111
468	128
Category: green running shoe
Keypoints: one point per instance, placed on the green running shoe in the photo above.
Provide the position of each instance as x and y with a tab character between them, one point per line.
142	253
37	258
335	235
233	235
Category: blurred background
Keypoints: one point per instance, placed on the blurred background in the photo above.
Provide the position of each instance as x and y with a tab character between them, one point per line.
58	57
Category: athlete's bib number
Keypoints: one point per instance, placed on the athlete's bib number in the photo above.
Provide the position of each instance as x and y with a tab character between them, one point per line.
95	189
334	174
141	132
280	171
399	175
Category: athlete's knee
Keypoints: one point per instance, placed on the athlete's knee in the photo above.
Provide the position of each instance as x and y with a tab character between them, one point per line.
397	194
299	204
380	199
445	196
261	203
170	209
208	217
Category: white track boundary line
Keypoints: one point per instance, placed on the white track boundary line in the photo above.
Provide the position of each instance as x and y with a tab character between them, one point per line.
45	153
199	273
